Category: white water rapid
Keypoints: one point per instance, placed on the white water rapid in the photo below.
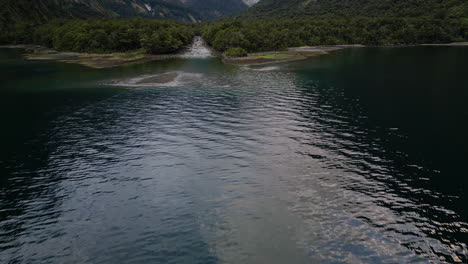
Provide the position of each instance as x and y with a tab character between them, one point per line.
198	49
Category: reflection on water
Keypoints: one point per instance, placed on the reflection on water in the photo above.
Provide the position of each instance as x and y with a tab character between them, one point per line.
329	160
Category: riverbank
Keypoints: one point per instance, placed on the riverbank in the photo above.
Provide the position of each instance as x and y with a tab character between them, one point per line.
304	52
93	60
455	44
292	54
101	61
197	49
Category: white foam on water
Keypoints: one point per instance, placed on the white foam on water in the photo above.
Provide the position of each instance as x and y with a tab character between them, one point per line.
182	77
271	68
250	2
198	49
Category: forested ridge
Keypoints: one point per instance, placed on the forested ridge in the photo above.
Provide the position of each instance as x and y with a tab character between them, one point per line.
268	9
269	25
61	24
112	35
278	24
93	25
37	11
270	35
180	10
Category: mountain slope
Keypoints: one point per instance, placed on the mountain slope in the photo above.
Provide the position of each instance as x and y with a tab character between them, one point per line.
160	9
38	10
209	9
182	10
366	8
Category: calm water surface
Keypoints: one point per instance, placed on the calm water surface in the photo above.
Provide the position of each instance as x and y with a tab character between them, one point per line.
356	157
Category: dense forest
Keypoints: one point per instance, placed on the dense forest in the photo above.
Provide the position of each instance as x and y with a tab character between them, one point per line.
156	36
287	9
277	24
106	36
268	35
58	24
267	26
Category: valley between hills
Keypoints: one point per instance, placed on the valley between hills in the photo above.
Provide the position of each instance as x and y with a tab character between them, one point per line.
234	28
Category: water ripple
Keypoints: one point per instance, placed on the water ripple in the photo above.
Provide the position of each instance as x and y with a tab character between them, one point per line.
277	168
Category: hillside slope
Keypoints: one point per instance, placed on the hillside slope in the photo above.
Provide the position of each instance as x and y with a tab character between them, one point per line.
275	25
181	10
208	9
353	8
38	10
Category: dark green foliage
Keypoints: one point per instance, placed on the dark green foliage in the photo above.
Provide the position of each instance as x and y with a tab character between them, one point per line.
105	36
209	9
18	17
12	11
270	35
285	23
235	52
161	42
286	9
181	10
278	24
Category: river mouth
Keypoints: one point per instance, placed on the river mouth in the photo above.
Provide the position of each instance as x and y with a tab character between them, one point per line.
198	50
354	157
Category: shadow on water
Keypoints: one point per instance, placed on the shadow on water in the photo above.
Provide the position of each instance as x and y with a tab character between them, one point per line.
62	150
354	157
401	125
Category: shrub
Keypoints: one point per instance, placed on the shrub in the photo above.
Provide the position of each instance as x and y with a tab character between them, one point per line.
235	52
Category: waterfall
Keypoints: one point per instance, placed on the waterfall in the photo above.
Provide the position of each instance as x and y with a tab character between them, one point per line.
198	49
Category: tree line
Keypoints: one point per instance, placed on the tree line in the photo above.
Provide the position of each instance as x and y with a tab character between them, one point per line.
280	9
103	36
279	34
237	36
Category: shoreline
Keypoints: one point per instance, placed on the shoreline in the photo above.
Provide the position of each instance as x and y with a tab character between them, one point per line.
292	54
102	61
92	60
305	52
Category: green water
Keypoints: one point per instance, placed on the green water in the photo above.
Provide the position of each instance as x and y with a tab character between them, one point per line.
359	156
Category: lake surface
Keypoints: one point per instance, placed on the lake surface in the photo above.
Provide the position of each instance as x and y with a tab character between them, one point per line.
359	156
